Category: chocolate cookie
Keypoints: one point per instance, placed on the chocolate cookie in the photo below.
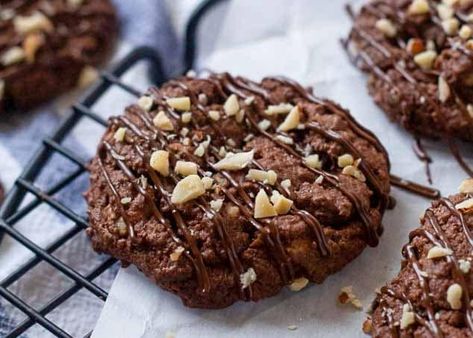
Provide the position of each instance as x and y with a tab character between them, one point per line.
431	296
419	55
223	189
48	47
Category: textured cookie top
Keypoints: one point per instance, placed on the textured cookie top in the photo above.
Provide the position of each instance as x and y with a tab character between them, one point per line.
432	295
51	34
420	56
233	189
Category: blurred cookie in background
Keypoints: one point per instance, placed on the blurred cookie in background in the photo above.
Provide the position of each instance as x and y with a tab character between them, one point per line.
50	47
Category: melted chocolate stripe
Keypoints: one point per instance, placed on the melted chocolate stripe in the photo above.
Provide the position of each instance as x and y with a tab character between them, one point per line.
150	201
414	187
274	237
229	247
332	179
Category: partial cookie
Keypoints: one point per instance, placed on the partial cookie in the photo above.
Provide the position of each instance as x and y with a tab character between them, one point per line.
419	55
48	47
432	294
223	189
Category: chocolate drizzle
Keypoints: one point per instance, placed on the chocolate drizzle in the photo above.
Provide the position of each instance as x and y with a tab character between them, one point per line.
400	67
153	138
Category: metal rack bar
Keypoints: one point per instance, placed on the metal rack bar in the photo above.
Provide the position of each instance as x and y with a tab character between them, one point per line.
12	210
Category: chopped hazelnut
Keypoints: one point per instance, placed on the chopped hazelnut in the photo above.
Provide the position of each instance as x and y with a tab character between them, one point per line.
286	184
464	265
408	317
146	103
187	189
216	205
345	160
207	182
451	26
268	177
87	76
240	116
33	23
415	46
466	187
186	117
418	7
444	89
282	108
214	115
319	180
354	172
263	207
285	139
199	151
454	296
291	121
264	124
176	254
231	105
313	161
203	99
122	227
386	27
159	161
438	251
445	12
466	205
236	161
12	56
426	59
465	32
182	103
31	44
282	205
162	121
298	284
247	278
186	168
125	200
119	135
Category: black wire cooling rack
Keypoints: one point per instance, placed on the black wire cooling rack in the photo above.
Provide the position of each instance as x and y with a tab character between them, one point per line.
17	206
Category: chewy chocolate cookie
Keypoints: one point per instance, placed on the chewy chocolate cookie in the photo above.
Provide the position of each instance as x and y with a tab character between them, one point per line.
419	54
50	46
223	189
432	294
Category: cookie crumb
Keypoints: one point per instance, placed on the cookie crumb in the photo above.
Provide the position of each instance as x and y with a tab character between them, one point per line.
298	284
347	296
248	278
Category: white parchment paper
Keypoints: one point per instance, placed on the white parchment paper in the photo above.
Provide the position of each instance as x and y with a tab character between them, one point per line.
299	39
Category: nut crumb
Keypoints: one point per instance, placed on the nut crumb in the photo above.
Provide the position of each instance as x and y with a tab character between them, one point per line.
438	251
182	103
454	296
176	254
347	296
248	278
263	207
145	102
298	284
187	189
